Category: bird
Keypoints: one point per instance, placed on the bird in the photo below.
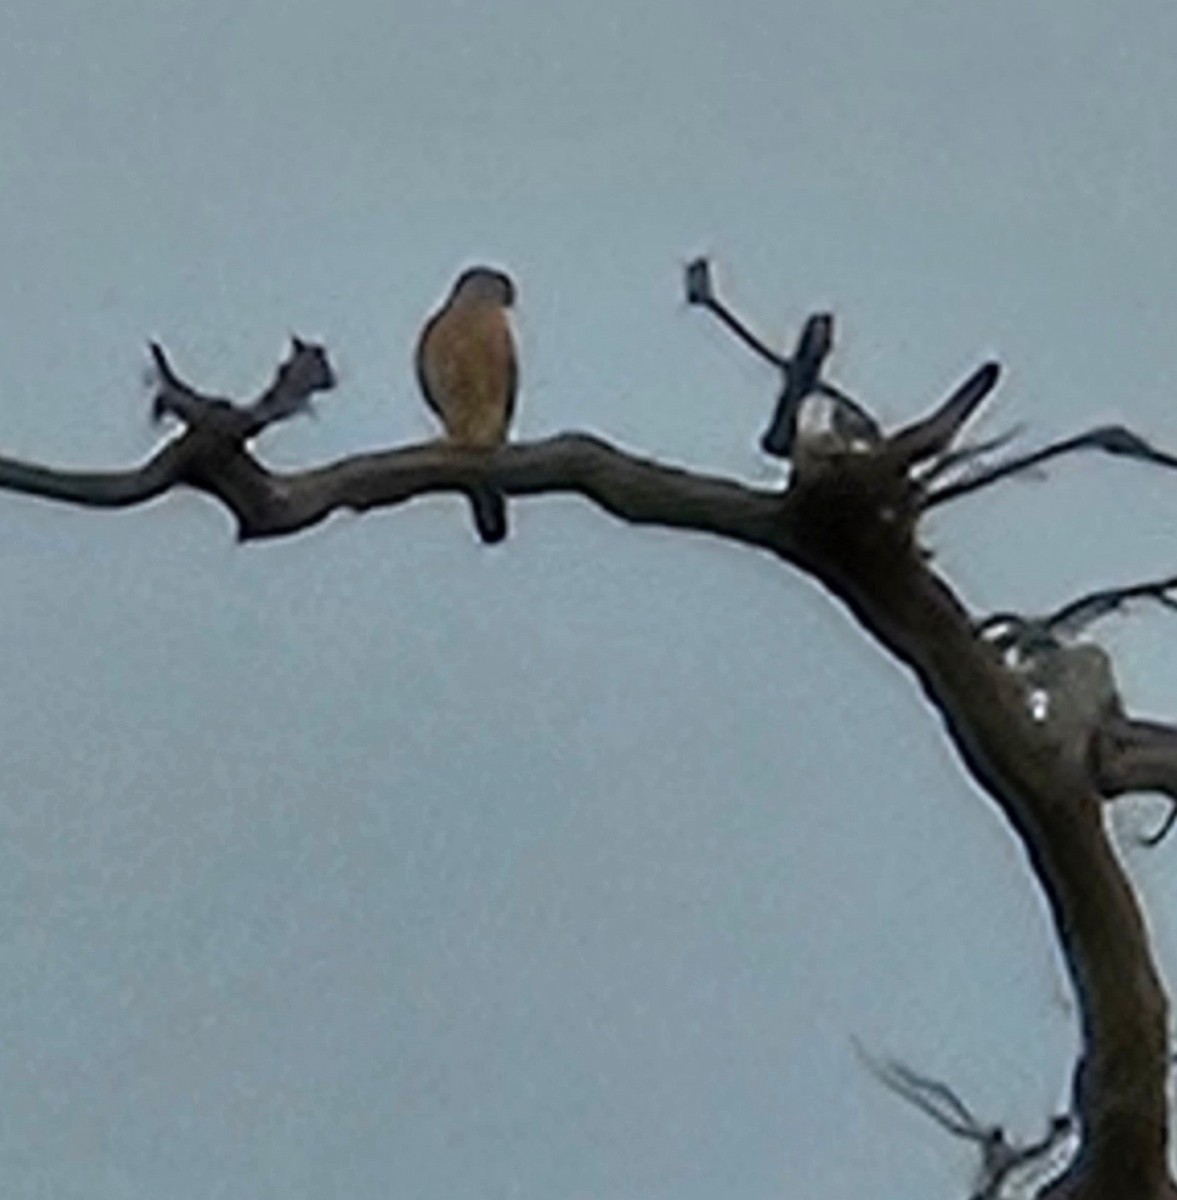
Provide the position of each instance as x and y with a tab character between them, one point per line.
468	372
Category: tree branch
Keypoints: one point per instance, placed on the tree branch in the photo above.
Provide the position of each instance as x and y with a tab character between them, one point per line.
851	524
701	292
637	490
1124	755
1111	439
271	504
305	371
99	489
1138	756
1001	1159
1050	800
932	436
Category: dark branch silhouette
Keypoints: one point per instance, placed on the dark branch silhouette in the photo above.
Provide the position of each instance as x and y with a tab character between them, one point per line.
802	370
272	504
929	438
851	425
305	371
1111	439
1076	616
965	455
1000	1158
701	292
933	436
1133	755
849	518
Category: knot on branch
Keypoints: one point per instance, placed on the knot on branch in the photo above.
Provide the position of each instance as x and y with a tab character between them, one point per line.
855	506
1071	691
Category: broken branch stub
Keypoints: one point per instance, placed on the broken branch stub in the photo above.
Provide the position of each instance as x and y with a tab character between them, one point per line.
305	371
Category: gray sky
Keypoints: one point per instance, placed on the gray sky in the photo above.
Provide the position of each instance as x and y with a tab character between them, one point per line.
374	863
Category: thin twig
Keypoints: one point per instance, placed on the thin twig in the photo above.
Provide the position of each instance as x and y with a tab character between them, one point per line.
701	292
305	371
999	1157
1075	616
968	453
1152	840
922	1092
1070	619
933	435
1111	439
746	335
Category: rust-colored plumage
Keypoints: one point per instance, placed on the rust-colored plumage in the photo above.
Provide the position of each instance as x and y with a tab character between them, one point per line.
468	372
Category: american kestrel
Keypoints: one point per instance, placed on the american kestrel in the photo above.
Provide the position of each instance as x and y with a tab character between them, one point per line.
468	373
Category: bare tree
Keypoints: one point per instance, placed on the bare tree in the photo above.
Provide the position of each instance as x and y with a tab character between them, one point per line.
1035	717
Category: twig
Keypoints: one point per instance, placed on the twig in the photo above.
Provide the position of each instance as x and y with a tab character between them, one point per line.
967	454
305	371
999	1157
801	370
1111	439
922	440
175	396
1133	755
1154	839
933	435
1074	617
701	292
1070	619
937	1100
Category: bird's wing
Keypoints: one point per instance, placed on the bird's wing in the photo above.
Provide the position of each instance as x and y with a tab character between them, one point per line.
468	371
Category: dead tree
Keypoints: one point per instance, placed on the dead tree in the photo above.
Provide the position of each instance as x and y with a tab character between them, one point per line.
1044	734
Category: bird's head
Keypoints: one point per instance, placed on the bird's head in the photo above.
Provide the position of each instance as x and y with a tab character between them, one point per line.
485	284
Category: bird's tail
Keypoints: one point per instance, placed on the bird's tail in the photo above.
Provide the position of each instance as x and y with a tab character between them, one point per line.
490	514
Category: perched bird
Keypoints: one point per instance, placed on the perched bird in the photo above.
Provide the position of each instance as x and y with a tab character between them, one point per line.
467	369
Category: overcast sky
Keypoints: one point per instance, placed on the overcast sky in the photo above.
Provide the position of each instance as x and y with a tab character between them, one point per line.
374	863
